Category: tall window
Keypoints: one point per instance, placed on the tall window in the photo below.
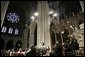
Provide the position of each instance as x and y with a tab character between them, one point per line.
4	29
16	31
10	30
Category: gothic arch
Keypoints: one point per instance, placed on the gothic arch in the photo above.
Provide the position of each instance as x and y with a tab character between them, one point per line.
18	44
9	44
2	43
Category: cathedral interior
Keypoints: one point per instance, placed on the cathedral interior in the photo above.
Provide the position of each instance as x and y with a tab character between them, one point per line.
41	23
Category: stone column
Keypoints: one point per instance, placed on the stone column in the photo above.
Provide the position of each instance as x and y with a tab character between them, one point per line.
4	5
24	40
32	31
5	44
43	25
82	5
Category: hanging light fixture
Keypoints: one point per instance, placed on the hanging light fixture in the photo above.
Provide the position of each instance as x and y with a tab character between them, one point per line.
36	14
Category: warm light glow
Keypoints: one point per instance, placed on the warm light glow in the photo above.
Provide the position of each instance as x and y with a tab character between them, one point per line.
51	12
62	32
71	35
32	17
70	26
54	15
36	14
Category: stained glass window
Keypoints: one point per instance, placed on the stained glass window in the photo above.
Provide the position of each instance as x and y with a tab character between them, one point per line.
13	17
4	29
16	31
10	30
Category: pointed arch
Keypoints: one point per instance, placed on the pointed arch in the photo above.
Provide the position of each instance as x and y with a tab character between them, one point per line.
2	43
18	44
10	44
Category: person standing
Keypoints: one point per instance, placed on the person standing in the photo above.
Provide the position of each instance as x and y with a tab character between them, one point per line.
75	46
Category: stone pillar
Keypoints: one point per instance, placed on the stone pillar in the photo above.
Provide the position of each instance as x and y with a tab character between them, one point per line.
43	25
82	5
5	44
4	5
32	31
24	41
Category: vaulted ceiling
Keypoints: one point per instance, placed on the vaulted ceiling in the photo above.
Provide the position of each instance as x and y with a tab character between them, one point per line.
65	8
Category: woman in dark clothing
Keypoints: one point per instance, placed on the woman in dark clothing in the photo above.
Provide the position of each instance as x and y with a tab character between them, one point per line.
75	46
